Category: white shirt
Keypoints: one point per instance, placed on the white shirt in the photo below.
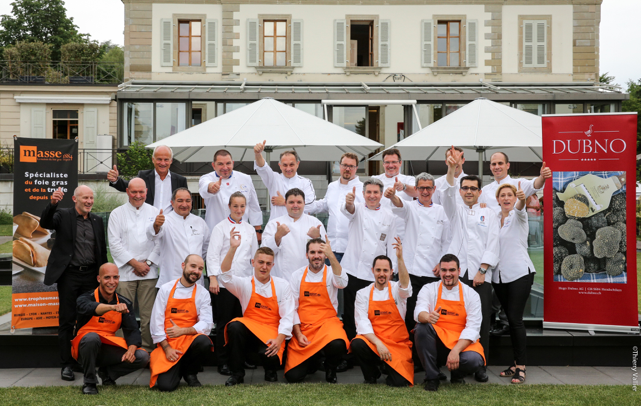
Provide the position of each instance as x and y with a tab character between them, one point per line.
387	203
242	289
489	191
277	182
371	234
475	235
427	236
361	305
162	193
178	238
337	224
203	308
290	254
428	296
441	183
333	284
219	246
514	260
218	204
127	239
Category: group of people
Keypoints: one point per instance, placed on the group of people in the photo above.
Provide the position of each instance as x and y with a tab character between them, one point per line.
415	260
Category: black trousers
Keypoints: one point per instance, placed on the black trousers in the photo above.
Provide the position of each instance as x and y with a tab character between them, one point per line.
93	353
241	342
333	352
433	354
349	294
370	361
485	292
71	284
417	284
498	309
189	364
228	307
513	296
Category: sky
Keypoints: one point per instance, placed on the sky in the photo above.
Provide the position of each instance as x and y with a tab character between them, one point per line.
619	47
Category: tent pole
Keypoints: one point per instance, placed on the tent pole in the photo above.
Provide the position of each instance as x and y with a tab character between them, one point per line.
480	151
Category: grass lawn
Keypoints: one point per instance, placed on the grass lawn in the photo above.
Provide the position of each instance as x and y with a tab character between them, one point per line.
5	299
324	394
6	229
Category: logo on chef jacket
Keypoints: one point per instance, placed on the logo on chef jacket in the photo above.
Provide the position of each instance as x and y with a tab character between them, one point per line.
307	293
380	313
482	222
175	310
259	306
244	188
103	320
444	312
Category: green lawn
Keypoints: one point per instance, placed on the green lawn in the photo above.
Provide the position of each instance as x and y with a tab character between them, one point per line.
324	394
6	229
6	248
5	299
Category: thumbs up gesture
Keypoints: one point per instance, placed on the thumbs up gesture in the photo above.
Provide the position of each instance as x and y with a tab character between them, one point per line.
520	194
278	200
214	187
281	230
260	147
112	175
57	196
434	315
350	197
160	220
174	331
314	232
389	192
400	186
546	172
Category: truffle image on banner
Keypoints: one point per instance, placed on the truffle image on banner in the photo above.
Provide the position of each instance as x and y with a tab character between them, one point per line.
589	227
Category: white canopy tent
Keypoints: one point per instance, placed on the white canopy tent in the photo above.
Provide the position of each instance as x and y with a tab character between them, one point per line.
481	128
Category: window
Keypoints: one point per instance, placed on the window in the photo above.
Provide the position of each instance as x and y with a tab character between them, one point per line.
535	54
65	124
534	108
448	43
568	108
274	43
361	43
189	43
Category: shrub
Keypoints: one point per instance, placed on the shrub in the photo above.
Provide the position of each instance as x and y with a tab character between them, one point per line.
135	159
104	201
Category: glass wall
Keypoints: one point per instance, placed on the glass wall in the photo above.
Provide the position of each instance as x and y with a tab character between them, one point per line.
315	109
202	111
352	118
568	108
223	108
534	108
601	108
138	123
170	119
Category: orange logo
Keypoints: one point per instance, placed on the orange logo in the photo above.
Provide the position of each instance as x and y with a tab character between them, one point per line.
28	153
31	154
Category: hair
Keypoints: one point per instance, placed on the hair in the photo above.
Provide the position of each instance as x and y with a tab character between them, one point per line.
424	176
473	178
503	186
382	258
392	151
173	195
313	241
373	181
507	160
171	152
264	250
222	152
290	152
349	155
188	257
294	192
459	149
237	194
450	258
76	191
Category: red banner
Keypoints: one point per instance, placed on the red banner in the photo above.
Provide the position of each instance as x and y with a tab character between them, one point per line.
590	222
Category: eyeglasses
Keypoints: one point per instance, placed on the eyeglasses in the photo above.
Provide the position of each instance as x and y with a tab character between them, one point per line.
424	188
472	188
348	166
390	162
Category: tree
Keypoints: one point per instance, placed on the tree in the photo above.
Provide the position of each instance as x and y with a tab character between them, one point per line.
115	62
605	79
632	105
39	20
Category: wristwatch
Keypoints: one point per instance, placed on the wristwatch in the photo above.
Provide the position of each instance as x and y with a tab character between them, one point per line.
148	262
482	271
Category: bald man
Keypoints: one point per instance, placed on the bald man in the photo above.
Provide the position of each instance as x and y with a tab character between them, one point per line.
78	251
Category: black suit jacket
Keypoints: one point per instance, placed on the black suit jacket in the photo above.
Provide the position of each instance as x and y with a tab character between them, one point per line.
149	176
65	223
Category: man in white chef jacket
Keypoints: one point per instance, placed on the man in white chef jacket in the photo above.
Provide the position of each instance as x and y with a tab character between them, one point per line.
440	183
279	183
179	233
287	235
131	251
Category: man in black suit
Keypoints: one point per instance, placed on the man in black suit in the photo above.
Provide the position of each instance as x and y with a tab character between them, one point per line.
78	252
160	182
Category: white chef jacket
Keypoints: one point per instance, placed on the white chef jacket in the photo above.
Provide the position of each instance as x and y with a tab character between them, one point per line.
426	302
332	282
218	204
475	235
514	261
163	192
242	289
290	255
203	308
337	224
387	203
219	246
127	240
489	191
427	236
361	305
277	182
371	233
441	183
178	238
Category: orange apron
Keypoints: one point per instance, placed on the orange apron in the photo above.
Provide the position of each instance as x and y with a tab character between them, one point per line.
452	321
105	326
390	328
318	322
184	313
261	317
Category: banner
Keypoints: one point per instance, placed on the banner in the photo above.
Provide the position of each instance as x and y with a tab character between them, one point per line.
41	166
590	222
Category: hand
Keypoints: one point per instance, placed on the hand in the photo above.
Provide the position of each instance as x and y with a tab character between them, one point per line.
172	355
302	340
389	192
454	158
130	355
57	196
259	148
213	285
314	232
160	220
281	230
434	316
483	205
259	237
120	308
400	186
398	246
278	200
520	194
437	270
383	352
234	238
214	187
479	279
174	331
546	172
452	360
326	248
140	268
350	197
273	346
112	175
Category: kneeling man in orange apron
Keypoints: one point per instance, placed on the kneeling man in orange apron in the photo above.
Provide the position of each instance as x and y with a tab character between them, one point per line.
380	323
181	321
317	330
268	314
449	324
101	313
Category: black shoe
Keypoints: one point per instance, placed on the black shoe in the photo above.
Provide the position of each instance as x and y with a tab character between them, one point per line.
66	374
224	370
344	366
432	385
76	368
456	378
192	381
481	375
373	380
234	380
249	366
271	376
500	330
330	375
441	376
89	389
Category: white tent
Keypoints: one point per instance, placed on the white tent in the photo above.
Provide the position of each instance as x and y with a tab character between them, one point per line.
283	127
481	128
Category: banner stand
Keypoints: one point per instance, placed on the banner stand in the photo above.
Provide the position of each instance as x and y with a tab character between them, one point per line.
591	327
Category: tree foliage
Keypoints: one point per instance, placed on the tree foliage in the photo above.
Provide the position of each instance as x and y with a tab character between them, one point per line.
634	105
135	159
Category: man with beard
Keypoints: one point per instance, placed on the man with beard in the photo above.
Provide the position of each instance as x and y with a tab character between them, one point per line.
180	324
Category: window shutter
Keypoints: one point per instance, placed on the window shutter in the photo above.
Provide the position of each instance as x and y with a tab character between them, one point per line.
166	39
384	35
252	42
211	42
472	43
528	44
427	34
38	122
90	139
297	43
541	44
340	41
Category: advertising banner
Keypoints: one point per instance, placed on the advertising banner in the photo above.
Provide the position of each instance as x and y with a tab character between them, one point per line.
590	222
41	166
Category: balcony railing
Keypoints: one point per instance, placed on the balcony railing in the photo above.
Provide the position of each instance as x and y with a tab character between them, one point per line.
61	72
